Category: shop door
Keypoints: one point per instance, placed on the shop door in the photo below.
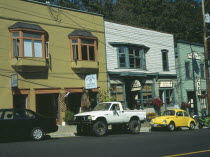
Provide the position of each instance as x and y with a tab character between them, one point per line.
20	101
191	101
74	102
47	104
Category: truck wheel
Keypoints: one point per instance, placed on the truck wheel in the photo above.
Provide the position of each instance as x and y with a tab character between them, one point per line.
100	128
80	131
134	126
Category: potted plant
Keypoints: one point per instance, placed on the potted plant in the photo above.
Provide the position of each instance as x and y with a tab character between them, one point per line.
157	103
185	106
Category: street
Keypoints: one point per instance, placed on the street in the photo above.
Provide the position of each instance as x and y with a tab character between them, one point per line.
162	143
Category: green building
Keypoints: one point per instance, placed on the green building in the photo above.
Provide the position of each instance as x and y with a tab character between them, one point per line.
51	57
191	84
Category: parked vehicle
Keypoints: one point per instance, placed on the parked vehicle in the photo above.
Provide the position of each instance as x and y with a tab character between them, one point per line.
25	123
203	120
109	113
173	119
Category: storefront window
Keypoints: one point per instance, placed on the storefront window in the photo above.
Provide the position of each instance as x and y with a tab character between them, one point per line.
147	94
167	96
117	92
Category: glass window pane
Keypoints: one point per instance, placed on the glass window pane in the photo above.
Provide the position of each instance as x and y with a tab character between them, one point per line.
27	48
16	47
122	60
91	53
87	41
137	63
75	52
84	52
32	35
119	88
15	34
75	41
137	52
38	48
131	62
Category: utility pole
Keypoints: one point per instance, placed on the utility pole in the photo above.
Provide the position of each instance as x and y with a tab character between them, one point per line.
206	56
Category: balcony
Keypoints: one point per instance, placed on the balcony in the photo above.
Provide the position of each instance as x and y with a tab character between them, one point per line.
29	64
85	66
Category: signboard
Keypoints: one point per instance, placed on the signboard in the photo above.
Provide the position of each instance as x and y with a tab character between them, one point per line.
136	85
166	84
198	85
195	55
91	81
14	80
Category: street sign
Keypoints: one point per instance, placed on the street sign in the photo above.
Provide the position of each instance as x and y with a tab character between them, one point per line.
14	80
198	84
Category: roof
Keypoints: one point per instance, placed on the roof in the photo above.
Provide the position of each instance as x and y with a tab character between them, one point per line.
82	33
26	26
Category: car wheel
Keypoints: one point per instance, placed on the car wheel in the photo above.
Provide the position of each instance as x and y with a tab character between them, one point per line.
134	126
100	128
192	126
37	134
171	126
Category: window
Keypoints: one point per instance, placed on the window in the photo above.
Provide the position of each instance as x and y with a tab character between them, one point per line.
202	71
131	57
32	44
165	60
187	70
167	96
179	114
147	94
83	46
186	114
117	92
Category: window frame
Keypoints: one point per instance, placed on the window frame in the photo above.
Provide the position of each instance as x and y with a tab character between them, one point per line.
141	57
21	38
79	43
165	63
202	71
187	73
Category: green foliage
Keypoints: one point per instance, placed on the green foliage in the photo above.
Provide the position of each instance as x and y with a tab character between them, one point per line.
104	96
69	116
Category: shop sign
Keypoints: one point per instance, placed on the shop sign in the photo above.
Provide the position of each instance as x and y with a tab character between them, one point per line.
136	85
14	80
91	81
166	84
198	85
195	55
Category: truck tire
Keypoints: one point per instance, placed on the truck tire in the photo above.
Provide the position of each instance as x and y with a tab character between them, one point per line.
134	126
100	128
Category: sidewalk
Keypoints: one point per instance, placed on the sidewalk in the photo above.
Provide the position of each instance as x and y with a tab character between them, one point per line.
70	130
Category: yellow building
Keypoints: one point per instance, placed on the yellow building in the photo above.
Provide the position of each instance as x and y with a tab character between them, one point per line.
50	56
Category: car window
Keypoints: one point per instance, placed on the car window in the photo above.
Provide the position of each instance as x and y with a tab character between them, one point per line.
8	115
115	107
186	114
24	114
179	114
169	113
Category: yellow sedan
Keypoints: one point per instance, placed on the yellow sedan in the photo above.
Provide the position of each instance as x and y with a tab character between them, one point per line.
173	119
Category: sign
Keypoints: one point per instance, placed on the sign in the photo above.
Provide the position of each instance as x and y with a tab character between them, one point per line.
195	55
136	85
198	85
91	81
166	84
14	80
207	18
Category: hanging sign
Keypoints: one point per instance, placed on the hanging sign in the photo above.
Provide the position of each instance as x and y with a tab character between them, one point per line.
91	81
136	85
198	85
14	80
195	55
166	84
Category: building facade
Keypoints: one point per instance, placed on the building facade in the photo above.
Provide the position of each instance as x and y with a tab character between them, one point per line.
141	66
191	76
51	58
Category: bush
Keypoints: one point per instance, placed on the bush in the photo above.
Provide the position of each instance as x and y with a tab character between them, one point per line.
69	116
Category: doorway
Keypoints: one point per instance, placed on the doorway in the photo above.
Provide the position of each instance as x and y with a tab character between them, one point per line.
20	101
47	104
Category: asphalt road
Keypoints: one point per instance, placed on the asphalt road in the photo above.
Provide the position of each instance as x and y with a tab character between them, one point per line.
150	144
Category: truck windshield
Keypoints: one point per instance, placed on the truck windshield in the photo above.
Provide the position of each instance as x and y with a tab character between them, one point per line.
169	113
102	106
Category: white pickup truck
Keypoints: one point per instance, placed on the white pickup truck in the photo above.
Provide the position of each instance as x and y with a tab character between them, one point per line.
109	113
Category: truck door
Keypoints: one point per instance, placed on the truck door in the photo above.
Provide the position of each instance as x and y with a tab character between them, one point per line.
116	113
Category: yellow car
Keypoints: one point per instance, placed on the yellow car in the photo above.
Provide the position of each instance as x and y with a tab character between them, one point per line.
173	119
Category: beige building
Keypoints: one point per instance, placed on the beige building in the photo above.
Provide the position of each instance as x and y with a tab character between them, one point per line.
50	56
